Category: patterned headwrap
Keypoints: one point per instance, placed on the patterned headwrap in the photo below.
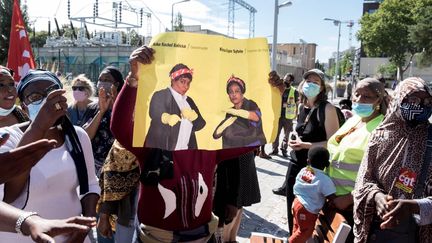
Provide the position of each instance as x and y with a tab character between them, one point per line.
4	71
179	72
35	76
238	81
407	87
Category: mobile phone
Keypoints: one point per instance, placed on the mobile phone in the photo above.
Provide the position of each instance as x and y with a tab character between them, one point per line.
106	86
293	136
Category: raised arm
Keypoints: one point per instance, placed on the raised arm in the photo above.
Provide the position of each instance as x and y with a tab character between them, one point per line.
37	130
122	118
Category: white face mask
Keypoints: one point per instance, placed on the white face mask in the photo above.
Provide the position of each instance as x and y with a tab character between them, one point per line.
6	112
34	109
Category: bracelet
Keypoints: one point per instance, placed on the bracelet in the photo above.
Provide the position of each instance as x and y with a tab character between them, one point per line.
21	220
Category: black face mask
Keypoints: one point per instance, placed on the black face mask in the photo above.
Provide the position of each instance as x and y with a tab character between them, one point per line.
415	114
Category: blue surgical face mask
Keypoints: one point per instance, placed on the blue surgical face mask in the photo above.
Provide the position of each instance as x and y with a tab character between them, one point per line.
311	89
363	109
415	112
34	109
5	112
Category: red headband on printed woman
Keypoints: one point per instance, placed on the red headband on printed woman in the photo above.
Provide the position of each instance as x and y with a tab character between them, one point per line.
179	72
236	80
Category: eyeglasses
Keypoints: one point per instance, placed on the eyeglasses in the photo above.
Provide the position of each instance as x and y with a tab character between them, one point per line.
80	88
36	98
7	87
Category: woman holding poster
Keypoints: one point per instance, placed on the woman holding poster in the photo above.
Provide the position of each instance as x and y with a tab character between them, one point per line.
242	125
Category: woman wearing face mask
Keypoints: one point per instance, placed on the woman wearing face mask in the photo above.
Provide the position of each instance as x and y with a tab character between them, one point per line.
9	113
311	131
97	119
63	183
82	89
347	146
393	191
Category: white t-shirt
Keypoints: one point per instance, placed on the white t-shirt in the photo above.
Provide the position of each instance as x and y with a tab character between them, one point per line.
311	189
53	187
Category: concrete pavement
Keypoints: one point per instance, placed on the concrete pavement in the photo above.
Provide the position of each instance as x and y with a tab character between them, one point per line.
270	215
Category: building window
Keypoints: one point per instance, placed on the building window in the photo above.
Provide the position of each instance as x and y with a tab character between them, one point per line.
294	51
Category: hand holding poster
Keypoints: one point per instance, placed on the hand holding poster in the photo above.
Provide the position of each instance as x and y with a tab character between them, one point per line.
205	92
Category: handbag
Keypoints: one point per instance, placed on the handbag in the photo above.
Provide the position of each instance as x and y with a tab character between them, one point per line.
406	231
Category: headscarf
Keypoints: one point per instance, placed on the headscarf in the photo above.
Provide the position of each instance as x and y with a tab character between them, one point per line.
34	76
377	88
119	177
393	145
116	74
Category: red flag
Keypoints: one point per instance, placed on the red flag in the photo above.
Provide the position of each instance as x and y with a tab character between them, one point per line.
20	55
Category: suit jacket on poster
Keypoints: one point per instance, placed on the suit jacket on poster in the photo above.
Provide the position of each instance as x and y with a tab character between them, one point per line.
164	136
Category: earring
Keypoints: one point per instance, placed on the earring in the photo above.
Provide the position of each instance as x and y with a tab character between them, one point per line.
377	107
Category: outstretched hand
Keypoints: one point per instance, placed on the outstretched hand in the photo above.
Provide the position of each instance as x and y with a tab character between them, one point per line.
42	230
27	156
142	55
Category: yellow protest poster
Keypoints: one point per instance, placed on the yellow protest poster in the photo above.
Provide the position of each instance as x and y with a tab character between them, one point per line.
205	92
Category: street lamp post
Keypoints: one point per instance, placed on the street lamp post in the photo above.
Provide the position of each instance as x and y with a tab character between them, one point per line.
275	27
305	60
337	23
172	12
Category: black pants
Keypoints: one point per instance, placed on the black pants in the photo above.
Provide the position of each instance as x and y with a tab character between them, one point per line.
290	178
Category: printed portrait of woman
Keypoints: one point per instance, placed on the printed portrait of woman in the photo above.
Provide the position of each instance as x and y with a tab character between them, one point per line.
242	126
174	116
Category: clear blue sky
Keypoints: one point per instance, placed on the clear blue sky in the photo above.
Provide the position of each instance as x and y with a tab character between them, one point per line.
303	19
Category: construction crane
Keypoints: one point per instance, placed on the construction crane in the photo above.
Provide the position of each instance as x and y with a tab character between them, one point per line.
231	19
350	24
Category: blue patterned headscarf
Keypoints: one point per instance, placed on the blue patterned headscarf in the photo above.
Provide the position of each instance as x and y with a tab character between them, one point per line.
34	76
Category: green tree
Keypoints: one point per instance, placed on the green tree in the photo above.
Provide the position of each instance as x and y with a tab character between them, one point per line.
346	62
136	39
400	30
178	23
39	39
421	33
6	7
387	70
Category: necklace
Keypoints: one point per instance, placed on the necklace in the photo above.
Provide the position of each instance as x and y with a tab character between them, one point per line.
339	137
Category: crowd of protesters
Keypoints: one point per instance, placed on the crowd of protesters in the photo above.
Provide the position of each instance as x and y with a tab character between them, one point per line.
367	161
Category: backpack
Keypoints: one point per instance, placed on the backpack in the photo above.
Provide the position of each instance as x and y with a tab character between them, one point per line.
321	114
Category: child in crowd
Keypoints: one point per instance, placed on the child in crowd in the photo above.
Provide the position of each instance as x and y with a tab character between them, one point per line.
345	106
311	189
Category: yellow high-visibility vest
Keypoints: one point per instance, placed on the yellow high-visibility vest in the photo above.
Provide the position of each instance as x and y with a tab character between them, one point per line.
346	156
290	110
